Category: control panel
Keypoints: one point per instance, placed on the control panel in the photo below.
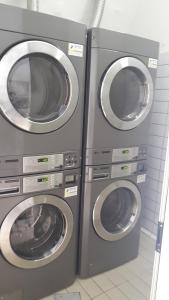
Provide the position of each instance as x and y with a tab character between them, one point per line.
67	180
125	169
42	163
71	160
42	182
127	154
115	171
108	156
18	165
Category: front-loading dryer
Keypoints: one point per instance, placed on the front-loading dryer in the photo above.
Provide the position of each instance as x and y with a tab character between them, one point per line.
39	217
110	216
120	88
42	66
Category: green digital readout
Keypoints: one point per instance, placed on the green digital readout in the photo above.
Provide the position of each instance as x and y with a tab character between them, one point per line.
42	160
125	151
43	179
124	168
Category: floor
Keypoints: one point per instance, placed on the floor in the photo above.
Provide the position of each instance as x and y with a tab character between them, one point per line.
131	281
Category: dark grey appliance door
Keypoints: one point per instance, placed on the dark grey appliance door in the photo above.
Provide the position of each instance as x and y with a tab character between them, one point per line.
126	93
117	210
39	86
36	231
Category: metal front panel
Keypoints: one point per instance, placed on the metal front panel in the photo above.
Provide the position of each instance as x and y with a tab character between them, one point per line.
42	182
40	163
134	118
16	295
10	59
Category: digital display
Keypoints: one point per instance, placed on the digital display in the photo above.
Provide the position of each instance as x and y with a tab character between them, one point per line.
125	151
70	179
43	179
124	168
42	160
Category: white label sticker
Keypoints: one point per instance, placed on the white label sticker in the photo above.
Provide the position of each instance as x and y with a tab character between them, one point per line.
75	50
152	63
71	191
141	178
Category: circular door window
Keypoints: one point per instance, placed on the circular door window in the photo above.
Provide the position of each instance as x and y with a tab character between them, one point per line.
36	231
117	210
126	93
39	87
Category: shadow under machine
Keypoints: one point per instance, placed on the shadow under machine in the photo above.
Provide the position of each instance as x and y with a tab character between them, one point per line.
120	88
42	70
41	100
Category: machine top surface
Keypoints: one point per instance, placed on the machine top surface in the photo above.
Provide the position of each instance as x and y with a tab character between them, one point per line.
107	39
40	24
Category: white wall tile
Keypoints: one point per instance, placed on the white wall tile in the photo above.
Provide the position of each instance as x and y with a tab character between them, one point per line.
154	163
148	214
158	139
162	83
150	204
165	141
161	95
157	129
155	152
158	118
163	71
160	107
146	223
153	173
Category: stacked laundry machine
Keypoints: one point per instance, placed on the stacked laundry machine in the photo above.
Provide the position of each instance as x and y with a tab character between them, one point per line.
42	82
42	71
120	86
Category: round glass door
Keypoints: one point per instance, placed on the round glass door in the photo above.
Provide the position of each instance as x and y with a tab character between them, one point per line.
36	231
39	87
126	93
117	210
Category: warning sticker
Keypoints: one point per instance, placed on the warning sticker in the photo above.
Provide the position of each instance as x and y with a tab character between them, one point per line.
152	63
71	191
141	178
75	49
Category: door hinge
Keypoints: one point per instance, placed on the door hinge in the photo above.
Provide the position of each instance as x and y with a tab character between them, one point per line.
159	236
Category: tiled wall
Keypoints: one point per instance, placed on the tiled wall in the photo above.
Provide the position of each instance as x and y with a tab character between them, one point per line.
157	147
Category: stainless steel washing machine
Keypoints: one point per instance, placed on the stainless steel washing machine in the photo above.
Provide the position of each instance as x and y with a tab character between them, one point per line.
42	66
120	88
110	216
39	217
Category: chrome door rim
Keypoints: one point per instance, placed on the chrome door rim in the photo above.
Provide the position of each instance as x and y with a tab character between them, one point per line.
10	219
8	61
99	228
113	70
